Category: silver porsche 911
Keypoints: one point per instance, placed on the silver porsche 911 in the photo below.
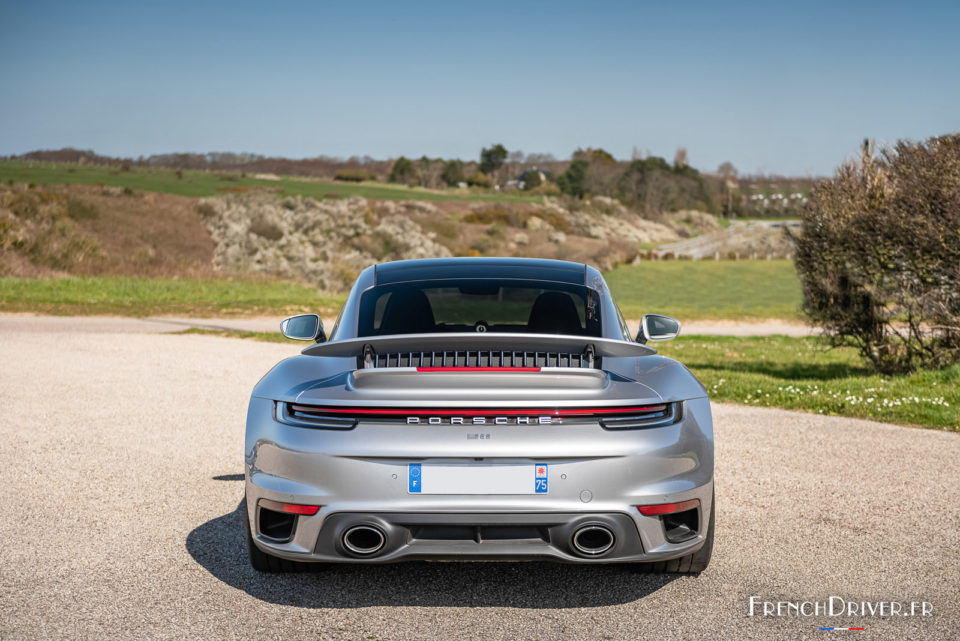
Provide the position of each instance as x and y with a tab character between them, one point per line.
488	408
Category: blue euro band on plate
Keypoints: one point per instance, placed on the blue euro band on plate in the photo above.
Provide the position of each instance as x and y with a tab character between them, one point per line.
540	478
415	478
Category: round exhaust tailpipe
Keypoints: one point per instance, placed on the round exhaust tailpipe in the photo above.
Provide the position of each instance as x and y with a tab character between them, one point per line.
592	540
363	540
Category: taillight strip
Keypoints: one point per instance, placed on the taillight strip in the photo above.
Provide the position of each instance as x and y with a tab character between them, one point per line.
413	411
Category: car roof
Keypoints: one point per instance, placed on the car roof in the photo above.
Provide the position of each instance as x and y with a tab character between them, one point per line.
401	271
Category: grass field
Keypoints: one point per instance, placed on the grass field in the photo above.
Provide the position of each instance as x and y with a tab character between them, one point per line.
700	290
806	374
714	290
202	183
152	296
794	373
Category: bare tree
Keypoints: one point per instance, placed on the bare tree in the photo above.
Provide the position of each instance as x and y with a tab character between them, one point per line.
680	158
727	170
729	173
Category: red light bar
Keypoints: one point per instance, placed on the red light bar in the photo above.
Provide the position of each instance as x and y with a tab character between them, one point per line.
414	411
668	508
478	369
290	508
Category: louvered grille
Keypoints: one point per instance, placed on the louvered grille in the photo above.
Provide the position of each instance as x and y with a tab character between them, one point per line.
483	358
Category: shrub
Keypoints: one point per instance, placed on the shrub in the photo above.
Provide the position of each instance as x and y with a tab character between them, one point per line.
206	211
879	256
479	180
266	229
79	210
494	215
354	175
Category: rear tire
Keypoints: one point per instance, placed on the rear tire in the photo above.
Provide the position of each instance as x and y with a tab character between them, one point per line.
692	563
260	560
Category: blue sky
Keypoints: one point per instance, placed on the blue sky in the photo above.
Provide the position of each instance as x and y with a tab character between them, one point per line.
769	86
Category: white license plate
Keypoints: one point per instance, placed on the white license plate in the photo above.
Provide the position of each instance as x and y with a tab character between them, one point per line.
477	478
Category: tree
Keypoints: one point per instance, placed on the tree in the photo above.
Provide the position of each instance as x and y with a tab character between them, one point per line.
430	171
879	256
492	159
452	172
680	158
404	171
728	173
573	180
592	155
727	170
654	185
540	159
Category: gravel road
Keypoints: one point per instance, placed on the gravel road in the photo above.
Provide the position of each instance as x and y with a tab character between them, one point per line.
121	463
166	324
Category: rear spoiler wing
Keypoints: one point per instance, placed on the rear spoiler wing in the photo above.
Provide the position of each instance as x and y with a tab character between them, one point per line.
478	341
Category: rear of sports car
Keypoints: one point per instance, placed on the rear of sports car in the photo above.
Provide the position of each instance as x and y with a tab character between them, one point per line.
448	445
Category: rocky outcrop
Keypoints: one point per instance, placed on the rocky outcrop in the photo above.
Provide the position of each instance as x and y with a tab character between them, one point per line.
324	242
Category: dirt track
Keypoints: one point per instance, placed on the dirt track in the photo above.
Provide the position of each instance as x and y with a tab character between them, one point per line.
121	475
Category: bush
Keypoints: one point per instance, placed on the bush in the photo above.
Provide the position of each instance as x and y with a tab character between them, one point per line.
354	175
266	229
532	180
494	215
879	257
80	210
479	180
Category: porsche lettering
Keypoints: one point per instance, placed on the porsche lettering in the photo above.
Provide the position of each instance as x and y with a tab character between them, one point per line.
482	420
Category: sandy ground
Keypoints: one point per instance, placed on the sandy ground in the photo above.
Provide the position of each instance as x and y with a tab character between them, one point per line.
121	462
161	324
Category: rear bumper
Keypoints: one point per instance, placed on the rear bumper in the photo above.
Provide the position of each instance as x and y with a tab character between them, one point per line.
475	537
597	477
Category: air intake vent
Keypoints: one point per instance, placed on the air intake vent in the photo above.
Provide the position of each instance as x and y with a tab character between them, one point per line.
480	359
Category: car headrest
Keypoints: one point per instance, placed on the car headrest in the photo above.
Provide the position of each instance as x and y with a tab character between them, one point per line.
554	313
408	311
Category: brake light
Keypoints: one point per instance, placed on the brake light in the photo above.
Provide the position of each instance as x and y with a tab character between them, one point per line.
478	369
668	508
290	508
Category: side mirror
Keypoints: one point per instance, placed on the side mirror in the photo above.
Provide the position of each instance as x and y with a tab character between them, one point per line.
305	327
655	327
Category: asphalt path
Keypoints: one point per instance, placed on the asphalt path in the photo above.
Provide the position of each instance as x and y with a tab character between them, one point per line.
121	475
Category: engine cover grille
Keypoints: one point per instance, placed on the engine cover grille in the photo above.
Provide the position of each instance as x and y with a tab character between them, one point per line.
482	358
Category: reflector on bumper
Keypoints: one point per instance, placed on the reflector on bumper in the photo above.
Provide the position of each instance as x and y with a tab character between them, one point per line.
290	508
668	508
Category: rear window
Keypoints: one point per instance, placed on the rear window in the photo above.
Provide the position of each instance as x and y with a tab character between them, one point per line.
479	305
